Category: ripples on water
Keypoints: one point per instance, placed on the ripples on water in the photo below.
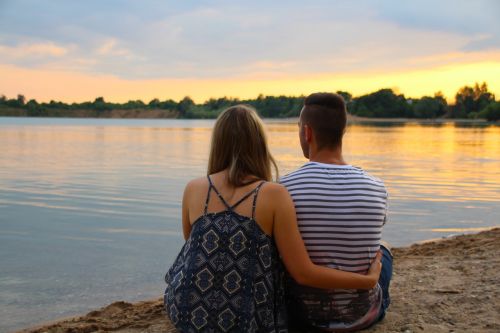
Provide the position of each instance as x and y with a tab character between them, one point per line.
90	209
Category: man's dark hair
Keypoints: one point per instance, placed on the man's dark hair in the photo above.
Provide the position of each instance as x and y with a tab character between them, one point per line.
326	114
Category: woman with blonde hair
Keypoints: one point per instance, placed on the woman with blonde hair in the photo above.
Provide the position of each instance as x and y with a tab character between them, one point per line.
237	224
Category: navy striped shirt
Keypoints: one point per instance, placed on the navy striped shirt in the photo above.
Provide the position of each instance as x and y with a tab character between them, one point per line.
340	213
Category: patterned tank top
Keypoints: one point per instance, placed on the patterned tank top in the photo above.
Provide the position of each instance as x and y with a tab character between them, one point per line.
228	276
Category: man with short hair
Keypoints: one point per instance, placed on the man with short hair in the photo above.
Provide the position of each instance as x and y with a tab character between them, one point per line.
340	213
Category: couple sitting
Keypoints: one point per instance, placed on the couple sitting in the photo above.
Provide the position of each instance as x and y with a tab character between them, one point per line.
245	267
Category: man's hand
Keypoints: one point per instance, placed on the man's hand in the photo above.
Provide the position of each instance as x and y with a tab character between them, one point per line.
375	268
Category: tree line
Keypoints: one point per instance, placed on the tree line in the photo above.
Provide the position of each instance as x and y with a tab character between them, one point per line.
471	102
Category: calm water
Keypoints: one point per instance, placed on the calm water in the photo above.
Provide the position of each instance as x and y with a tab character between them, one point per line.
90	209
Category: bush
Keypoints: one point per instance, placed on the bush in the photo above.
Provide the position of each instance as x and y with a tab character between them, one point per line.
491	112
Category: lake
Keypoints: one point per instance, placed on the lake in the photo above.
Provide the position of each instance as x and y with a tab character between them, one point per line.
90	208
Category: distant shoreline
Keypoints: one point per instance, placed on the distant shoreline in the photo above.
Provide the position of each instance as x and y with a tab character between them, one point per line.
107	114
471	102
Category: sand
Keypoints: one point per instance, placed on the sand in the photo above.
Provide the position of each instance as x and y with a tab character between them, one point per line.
451	285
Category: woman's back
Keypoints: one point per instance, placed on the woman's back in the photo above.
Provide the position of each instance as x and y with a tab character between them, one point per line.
228	276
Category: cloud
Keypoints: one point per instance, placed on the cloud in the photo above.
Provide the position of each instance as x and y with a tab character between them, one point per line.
225	39
111	48
33	50
477	20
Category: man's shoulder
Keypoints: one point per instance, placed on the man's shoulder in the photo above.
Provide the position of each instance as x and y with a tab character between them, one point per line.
305	171
291	174
312	169
330	173
370	176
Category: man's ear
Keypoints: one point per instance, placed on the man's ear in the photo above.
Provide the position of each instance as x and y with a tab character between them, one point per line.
308	134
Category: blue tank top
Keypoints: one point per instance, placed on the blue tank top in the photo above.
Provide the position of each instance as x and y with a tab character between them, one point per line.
228	276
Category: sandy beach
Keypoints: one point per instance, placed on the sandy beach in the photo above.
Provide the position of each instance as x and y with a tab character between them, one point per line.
450	285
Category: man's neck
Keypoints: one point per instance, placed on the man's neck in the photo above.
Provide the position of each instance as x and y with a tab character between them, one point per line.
328	156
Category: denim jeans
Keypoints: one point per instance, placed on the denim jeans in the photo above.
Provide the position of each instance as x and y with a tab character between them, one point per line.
385	280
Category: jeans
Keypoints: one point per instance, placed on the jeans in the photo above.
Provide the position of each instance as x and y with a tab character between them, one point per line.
385	280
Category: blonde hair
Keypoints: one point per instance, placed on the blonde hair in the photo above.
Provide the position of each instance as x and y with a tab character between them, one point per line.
239	145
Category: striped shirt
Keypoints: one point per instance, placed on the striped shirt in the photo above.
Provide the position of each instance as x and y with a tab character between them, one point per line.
340	213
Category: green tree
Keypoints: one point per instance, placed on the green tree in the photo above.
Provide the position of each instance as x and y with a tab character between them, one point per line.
185	105
220	103
134	104
33	109
491	112
382	103
13	103
21	99
154	103
169	104
471	99
100	104
429	107
277	106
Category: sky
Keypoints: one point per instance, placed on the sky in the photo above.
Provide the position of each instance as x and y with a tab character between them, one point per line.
75	51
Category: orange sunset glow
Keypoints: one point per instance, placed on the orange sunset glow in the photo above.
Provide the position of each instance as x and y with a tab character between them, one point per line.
45	85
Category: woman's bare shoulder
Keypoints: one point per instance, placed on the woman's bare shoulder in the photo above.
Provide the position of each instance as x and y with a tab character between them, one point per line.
196	184
274	190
